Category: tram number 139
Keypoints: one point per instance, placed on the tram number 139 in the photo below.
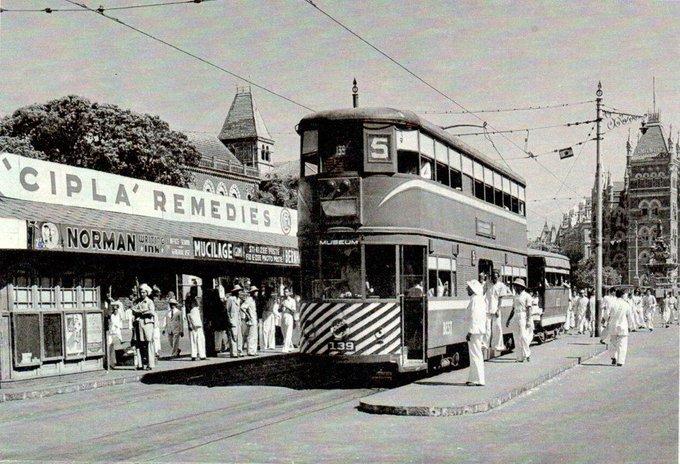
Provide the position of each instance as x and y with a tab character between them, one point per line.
341	346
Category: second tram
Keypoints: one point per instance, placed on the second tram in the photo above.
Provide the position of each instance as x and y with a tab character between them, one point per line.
549	278
395	215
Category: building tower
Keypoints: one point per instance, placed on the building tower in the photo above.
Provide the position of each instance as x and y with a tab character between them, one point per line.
246	135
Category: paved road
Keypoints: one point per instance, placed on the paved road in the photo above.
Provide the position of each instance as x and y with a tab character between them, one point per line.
593	413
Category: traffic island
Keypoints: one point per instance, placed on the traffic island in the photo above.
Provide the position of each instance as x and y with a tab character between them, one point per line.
448	395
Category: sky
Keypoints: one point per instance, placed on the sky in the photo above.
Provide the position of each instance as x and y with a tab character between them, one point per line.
484	55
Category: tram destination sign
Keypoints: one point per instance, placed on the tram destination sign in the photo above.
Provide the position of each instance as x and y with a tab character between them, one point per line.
223	250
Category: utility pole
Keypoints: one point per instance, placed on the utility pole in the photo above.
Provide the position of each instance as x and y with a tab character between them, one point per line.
637	273
598	182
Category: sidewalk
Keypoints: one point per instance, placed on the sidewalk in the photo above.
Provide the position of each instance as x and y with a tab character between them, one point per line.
171	367
447	394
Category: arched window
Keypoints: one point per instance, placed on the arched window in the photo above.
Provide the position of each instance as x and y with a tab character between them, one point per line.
643	258
221	188
643	206
654	207
234	191
208	186
643	234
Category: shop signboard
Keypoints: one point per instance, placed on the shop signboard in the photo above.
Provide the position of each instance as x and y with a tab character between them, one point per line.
223	250
74	331
50	236
95	334
47	182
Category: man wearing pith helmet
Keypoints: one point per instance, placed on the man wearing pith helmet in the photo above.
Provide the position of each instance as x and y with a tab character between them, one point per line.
522	331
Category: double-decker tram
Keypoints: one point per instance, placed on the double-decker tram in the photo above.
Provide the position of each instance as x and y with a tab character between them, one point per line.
549	278
395	215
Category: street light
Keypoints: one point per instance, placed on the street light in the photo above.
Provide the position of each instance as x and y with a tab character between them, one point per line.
598	243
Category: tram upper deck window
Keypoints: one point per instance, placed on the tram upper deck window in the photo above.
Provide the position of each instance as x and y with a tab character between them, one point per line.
340	148
340	272
310	153
408	158
454	170
514	194
441	163
507	202
478	170
381	271
468	181
522	200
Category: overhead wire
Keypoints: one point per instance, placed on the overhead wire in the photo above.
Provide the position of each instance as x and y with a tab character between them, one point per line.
526	129
102	8
508	110
190	54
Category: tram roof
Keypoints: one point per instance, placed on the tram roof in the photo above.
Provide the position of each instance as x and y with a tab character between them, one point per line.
404	118
546	254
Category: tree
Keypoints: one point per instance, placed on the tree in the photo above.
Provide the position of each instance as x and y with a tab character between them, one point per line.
72	130
278	191
584	276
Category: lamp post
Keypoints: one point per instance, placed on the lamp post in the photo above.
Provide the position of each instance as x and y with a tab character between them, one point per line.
598	182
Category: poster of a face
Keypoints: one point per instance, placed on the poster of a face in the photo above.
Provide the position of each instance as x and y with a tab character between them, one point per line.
74	334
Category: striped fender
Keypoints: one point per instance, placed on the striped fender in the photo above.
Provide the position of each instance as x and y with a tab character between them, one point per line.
373	328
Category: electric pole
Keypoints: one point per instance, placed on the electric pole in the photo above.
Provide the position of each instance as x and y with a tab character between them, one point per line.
598	225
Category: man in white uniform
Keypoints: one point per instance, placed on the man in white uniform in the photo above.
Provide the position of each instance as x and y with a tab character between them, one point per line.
670	303
581	308
477	317
569	323
649	306
620	315
522	332
494	324
607	303
638	310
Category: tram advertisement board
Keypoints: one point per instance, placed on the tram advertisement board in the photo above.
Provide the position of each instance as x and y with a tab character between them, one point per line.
223	250
62	237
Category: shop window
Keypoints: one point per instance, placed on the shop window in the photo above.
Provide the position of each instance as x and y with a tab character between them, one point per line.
407	162
381	271
443	174
341	272
412	275
456	179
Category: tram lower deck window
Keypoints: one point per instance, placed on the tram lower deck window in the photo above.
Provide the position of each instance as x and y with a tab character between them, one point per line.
340	272
381	271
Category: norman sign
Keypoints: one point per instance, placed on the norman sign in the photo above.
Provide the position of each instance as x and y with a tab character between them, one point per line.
42	181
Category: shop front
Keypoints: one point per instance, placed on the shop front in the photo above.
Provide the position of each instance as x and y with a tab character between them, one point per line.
74	239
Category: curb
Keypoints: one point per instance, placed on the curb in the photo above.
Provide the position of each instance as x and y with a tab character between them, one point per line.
150	377
440	411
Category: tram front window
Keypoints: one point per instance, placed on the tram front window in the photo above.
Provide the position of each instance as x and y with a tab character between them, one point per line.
381	271
340	272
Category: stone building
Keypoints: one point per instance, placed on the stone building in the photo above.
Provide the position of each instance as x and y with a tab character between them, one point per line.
575	230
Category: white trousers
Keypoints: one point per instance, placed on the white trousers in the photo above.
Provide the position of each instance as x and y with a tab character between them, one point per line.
269	331
287	328
640	316
666	315
173	340
476	374
522	336
569	323
251	339
197	338
157	339
494	332
581	323
221	341
618	347
649	317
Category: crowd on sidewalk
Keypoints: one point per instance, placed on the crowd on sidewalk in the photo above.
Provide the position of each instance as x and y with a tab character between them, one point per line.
244	321
621	313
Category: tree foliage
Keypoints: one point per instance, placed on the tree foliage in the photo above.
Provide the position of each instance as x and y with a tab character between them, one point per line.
72	130
278	191
584	276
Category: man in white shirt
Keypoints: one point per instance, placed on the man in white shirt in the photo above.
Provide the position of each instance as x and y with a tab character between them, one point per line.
638	310
523	329
618	320
476	313
581	308
649	306
670	303
494	324
607	303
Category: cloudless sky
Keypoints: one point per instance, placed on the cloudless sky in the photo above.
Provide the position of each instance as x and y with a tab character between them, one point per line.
482	54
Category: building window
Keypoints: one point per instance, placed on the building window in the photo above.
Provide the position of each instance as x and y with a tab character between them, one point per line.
234	191
221	189
208	186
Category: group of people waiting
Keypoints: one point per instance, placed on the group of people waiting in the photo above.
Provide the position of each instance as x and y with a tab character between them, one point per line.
250	316
485	321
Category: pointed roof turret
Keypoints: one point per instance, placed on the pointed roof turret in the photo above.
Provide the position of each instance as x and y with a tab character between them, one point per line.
244	120
652	141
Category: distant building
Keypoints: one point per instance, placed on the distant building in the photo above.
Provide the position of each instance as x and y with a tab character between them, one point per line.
575	229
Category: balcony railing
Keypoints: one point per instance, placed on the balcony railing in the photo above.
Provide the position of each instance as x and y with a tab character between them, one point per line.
226	166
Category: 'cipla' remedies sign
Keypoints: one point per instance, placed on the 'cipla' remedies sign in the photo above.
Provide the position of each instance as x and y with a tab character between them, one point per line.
43	181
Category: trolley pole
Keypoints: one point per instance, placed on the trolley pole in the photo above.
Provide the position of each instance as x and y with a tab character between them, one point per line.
598	182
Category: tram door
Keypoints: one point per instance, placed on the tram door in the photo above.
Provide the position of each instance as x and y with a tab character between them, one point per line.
414	301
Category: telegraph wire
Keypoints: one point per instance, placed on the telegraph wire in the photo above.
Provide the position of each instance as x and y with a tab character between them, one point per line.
527	129
508	110
102	9
190	54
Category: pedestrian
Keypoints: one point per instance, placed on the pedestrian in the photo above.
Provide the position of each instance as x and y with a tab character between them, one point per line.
234	322
477	324
249	315
493	338
261	303
666	312
115	336
220	322
523	328
569	320
649	305
196	335
289	309
269	316
174	326
607	302
674	308
581	310
638	309
618	320
590	312
144	313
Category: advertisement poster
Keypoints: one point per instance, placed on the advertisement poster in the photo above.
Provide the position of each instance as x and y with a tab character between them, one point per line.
95	334
73	324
